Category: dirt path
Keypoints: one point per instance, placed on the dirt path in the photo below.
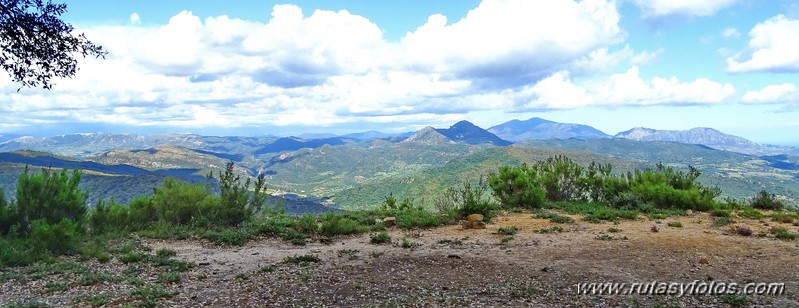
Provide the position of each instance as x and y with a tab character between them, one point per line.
454	267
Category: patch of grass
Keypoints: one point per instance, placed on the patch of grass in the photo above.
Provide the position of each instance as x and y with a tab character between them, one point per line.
722	221
56	286
720	213
674	224
614	230
148	295
132	257
302	259
555	229
594	211
350	254
783	234
784	217
380	238
657	216
267	268
553	217
94	278
509	231
165	253
735	300
334	224
409	244
170	277
229	236
28	303
750	212
97	300
506	238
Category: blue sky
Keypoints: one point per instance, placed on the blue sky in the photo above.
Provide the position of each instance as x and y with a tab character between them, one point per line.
263	67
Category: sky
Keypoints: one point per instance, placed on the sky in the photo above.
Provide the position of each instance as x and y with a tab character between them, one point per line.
286	68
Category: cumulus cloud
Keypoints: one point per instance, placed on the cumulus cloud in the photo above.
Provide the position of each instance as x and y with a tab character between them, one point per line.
772	47
659	8
331	68
559	92
135	18
772	94
513	38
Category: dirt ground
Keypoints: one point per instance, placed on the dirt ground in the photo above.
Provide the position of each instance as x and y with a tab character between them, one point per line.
449	266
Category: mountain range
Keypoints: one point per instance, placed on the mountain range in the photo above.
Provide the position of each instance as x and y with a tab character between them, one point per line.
514	131
357	170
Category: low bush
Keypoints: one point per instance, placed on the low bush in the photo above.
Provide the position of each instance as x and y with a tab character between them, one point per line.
674	224
334	224
510	231
766	201
750	212
783	233
380	238
302	259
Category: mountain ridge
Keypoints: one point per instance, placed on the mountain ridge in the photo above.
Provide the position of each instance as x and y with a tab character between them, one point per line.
541	129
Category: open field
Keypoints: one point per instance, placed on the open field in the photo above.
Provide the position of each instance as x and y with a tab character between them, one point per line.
444	266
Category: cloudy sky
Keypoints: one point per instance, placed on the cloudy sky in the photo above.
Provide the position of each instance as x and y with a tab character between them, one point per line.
263	67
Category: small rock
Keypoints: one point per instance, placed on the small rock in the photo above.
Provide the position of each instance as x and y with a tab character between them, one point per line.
204	263
389	221
704	260
453	256
474	217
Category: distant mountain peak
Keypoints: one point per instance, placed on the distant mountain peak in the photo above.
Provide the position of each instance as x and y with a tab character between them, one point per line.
427	135
466	132
699	135
541	129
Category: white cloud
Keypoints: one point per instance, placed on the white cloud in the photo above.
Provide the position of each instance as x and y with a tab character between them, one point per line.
502	38
559	92
333	68
657	8
772	94
730	33
773	47
135	19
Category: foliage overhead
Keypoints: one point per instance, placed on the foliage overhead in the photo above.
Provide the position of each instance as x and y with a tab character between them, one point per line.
36	45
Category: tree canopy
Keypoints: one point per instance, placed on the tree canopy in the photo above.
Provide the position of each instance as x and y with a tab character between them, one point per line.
36	45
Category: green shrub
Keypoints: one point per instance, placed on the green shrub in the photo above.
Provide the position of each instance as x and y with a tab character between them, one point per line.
7	217
334	224
784	217
512	230
766	201
178	203
750	212
108	217
306	224
675	224
722	221
302	259
720	213
57	238
419	218
380	238
554	217
783	234
228	236
49	197
517	187
237	203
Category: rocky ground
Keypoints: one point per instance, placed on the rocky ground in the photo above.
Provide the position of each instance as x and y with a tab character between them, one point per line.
448	266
